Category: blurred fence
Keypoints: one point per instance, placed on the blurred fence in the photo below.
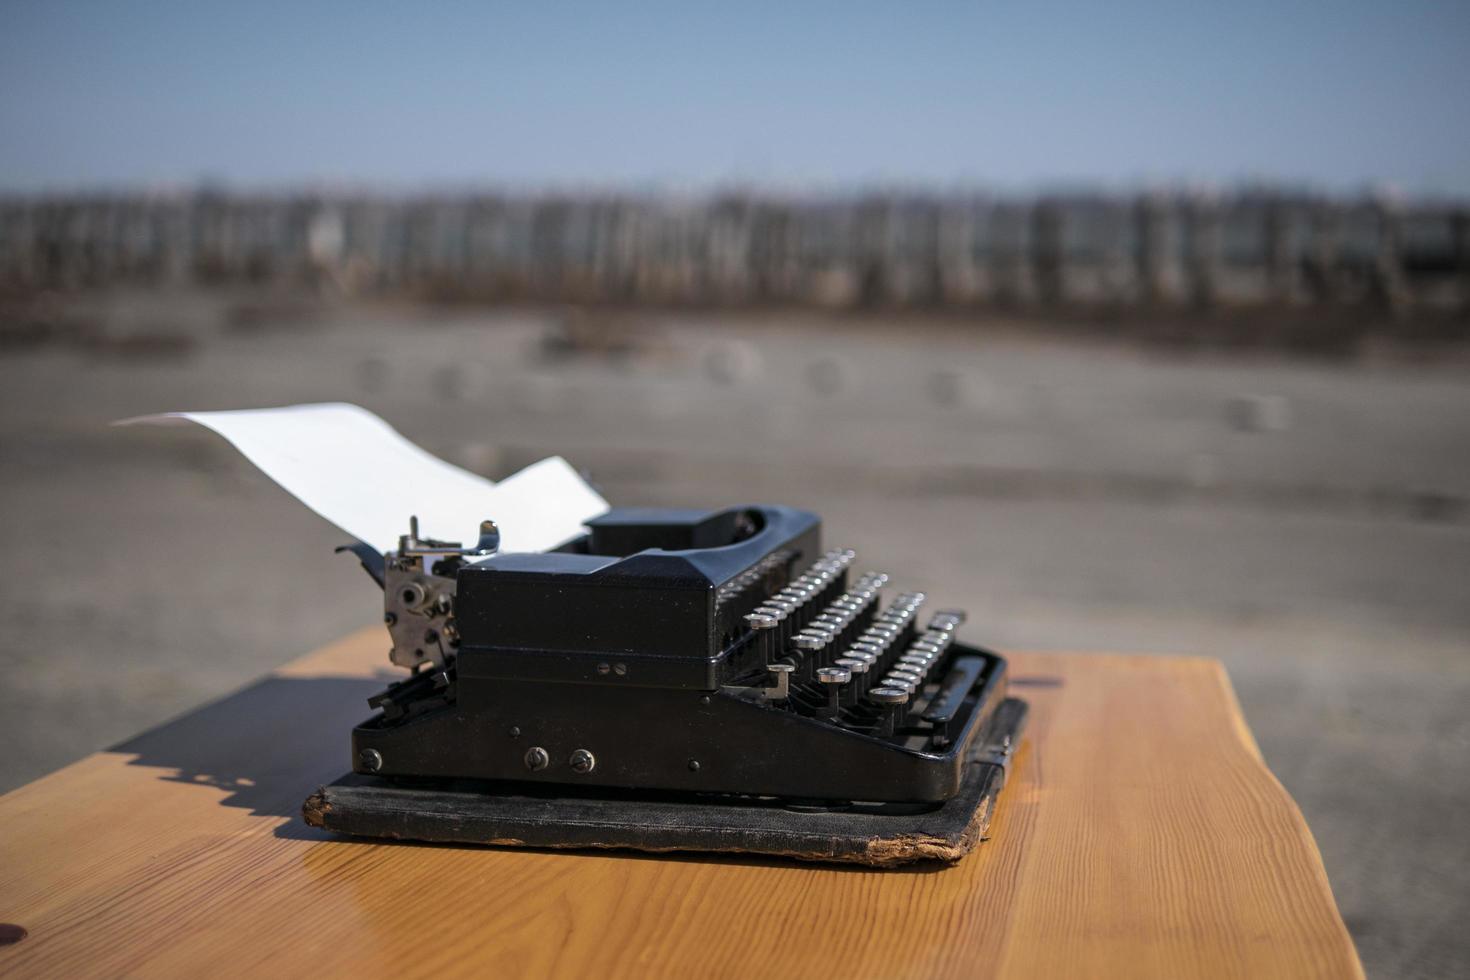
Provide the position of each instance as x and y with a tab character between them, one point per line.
1174	251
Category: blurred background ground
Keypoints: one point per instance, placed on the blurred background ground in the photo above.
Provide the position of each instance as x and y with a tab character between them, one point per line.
1307	522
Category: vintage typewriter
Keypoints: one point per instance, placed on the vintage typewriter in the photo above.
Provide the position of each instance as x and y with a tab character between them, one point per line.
675	679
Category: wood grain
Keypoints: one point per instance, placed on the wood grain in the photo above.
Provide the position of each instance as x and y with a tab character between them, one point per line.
1140	835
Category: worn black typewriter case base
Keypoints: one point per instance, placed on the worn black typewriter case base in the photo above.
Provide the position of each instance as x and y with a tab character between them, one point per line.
520	814
662	739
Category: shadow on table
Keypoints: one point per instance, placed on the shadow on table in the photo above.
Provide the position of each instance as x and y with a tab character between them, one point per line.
267	746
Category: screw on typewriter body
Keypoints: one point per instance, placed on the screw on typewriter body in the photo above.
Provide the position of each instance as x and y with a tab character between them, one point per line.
371	759
891	700
582	761
537	758
834	678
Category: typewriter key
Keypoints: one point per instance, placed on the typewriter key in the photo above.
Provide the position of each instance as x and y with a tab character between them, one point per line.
834	678
764	625
856	669
891	700
906	677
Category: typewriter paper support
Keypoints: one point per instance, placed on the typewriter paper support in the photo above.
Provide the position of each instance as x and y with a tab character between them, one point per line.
675	680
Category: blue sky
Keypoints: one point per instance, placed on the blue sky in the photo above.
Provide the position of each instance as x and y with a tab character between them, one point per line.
1336	95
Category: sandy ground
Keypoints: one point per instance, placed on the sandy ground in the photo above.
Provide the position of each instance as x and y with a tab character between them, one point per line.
1307	523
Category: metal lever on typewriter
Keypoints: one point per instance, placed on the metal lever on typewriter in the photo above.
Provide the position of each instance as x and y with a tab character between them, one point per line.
418	582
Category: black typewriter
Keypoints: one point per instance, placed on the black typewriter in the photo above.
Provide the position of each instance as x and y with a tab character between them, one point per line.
668	668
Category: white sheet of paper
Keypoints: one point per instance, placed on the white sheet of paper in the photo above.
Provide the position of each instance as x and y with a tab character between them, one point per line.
355	470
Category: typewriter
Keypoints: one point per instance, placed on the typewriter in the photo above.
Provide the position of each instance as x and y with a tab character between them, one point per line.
671	679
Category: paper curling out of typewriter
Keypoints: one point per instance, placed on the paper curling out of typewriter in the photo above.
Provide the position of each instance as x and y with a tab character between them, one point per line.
675	680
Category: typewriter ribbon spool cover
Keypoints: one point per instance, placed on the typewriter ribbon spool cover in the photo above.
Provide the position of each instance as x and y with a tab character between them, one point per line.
647	678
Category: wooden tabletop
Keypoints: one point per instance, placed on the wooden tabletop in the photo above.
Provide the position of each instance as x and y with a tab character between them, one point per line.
1140	835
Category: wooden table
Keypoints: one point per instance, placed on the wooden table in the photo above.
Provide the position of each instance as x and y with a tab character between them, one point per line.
1140	835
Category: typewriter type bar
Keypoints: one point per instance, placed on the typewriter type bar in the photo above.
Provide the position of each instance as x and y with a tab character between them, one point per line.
709	652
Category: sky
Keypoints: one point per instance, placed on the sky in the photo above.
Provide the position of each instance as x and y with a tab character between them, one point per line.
1337	96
